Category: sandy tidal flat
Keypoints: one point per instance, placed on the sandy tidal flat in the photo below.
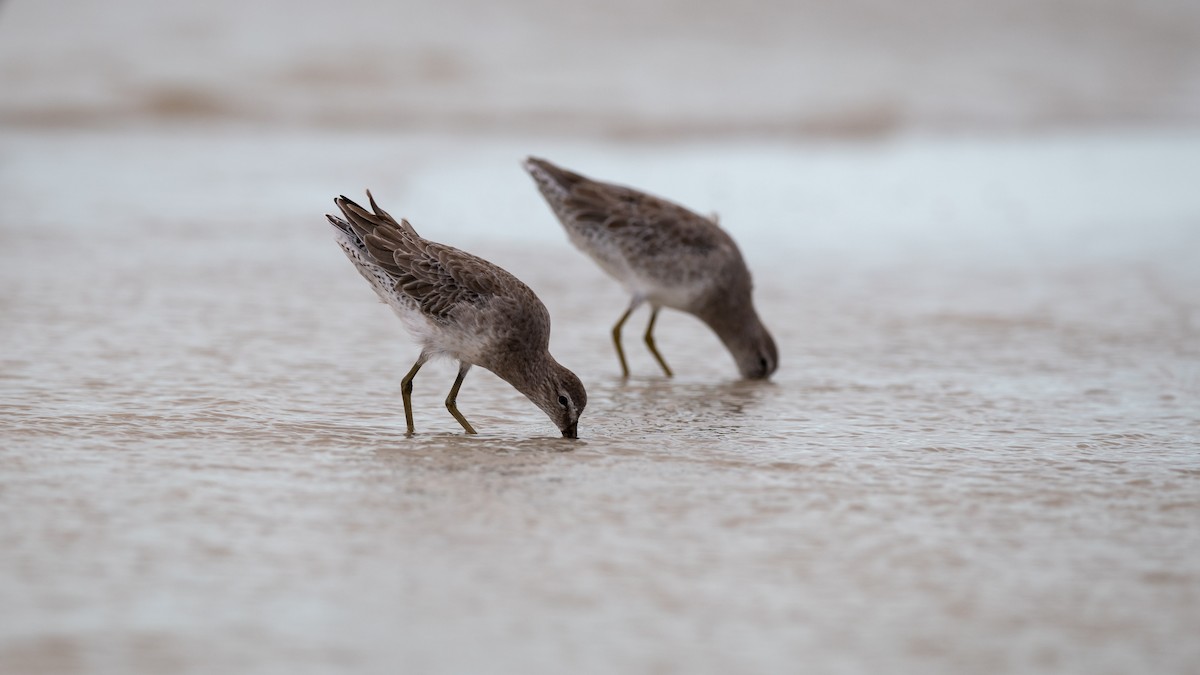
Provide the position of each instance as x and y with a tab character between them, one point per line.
978	455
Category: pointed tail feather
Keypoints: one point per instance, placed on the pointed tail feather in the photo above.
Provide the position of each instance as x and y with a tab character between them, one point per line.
551	176
364	221
375	233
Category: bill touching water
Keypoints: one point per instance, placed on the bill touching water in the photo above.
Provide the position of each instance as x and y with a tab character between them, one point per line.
665	255
462	307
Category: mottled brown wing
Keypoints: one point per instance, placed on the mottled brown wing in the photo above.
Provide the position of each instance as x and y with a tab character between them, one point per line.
642	222
442	279
634	219
438	278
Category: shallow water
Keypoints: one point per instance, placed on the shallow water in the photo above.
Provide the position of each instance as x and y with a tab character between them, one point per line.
980	452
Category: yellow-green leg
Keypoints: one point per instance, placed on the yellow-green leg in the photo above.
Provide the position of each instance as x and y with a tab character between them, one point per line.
616	335
452	398
406	391
650	343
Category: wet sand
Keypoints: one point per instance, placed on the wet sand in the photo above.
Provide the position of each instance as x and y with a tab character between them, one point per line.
979	453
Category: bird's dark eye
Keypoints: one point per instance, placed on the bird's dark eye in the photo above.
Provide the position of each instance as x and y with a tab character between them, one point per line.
562	400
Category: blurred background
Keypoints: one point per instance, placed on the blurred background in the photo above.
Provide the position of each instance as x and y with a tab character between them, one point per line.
631	69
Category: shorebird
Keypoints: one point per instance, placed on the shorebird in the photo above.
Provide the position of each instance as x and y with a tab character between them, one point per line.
460	306
665	255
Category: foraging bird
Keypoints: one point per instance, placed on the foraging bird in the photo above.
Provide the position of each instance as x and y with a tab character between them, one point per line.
461	306
665	255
